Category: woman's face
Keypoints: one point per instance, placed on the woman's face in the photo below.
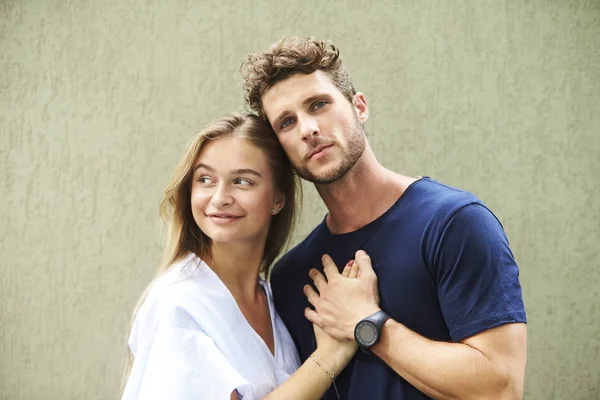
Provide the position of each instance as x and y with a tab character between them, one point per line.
232	194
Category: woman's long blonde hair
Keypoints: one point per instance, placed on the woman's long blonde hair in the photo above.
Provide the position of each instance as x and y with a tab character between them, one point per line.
183	234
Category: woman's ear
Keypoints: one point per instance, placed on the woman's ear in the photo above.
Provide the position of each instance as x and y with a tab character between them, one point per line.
279	203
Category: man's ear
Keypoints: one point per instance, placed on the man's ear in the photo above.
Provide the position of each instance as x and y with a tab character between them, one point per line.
361	108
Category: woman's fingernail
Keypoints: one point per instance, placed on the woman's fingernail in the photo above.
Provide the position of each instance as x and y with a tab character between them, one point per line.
350	263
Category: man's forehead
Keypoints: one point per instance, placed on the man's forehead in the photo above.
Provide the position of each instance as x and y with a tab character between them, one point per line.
293	90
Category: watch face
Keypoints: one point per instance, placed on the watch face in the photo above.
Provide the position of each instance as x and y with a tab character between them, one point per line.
366	334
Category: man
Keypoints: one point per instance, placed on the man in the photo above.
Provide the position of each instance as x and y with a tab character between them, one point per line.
449	320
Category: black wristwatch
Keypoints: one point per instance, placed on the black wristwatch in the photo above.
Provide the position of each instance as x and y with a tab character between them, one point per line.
368	331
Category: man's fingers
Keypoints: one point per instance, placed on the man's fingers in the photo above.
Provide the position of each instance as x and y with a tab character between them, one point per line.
329	267
318	279
364	263
312	316
311	295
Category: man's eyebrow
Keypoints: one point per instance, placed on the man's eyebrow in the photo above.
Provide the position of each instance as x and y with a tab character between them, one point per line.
305	102
315	97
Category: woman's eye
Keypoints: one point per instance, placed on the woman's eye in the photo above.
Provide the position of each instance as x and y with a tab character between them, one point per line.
286	123
204	179
243	182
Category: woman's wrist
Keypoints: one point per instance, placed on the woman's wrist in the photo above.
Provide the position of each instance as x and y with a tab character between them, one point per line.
334	359
326	369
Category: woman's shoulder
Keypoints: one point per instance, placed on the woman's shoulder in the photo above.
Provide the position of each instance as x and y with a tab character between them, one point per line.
187	269
187	278
179	287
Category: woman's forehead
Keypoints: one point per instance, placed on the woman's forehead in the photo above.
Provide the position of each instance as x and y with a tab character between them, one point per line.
232	153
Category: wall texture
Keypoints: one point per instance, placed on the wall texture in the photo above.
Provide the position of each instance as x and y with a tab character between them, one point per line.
98	98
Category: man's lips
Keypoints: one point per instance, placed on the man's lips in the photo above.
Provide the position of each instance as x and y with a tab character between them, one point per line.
318	149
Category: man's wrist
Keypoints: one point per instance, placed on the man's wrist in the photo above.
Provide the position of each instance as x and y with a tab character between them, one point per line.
367	332
377	348
362	314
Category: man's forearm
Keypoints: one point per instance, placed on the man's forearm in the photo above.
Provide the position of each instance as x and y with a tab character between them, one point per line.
444	370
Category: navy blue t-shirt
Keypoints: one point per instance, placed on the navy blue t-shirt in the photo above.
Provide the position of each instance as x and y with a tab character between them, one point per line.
444	268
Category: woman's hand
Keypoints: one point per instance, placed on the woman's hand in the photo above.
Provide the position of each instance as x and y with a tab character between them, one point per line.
337	353
334	353
315	376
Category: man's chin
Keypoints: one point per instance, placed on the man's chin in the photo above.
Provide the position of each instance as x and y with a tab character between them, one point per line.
321	177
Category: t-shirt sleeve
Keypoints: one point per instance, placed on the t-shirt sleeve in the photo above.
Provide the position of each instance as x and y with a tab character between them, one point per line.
179	361
477	276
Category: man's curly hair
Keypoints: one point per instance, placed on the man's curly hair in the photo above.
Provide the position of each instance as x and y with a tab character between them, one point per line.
289	56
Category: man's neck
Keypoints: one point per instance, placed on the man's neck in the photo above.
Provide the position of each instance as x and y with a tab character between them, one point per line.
365	193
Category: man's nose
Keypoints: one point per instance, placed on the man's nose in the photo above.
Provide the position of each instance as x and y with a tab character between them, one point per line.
308	127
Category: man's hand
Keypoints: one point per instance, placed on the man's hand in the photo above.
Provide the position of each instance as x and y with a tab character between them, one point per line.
342	300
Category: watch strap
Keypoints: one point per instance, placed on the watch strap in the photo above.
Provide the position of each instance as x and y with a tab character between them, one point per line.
378	319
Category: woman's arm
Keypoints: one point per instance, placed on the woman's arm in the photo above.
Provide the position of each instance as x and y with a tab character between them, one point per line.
310	381
319	371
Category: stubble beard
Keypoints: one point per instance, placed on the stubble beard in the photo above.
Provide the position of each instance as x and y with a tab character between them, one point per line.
350	155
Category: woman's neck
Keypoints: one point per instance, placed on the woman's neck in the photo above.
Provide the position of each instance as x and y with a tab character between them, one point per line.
238	266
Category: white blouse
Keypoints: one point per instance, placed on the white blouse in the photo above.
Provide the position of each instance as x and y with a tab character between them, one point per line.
190	340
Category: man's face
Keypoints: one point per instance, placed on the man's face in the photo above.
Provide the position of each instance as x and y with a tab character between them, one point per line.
319	129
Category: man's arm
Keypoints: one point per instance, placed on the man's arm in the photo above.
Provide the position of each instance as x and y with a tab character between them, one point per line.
489	364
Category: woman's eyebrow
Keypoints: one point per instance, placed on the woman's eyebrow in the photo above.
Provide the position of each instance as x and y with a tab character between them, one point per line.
246	171
239	171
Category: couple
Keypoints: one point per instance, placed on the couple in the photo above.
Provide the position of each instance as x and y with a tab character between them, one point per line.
417	275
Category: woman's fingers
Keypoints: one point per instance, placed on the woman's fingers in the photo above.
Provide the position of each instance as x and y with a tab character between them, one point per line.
353	270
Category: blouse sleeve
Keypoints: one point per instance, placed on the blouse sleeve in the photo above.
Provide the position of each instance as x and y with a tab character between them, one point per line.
175	359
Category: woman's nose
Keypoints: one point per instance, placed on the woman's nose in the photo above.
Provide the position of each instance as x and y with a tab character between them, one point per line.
221	197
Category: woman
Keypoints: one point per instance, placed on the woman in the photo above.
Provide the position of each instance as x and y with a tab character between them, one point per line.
207	327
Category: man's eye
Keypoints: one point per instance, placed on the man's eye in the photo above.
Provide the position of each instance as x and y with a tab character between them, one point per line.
243	182
287	122
319	104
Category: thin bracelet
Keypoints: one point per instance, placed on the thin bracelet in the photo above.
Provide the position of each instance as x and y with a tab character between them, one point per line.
331	373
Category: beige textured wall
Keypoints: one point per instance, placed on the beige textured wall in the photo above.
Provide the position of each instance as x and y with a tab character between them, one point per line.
98	98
